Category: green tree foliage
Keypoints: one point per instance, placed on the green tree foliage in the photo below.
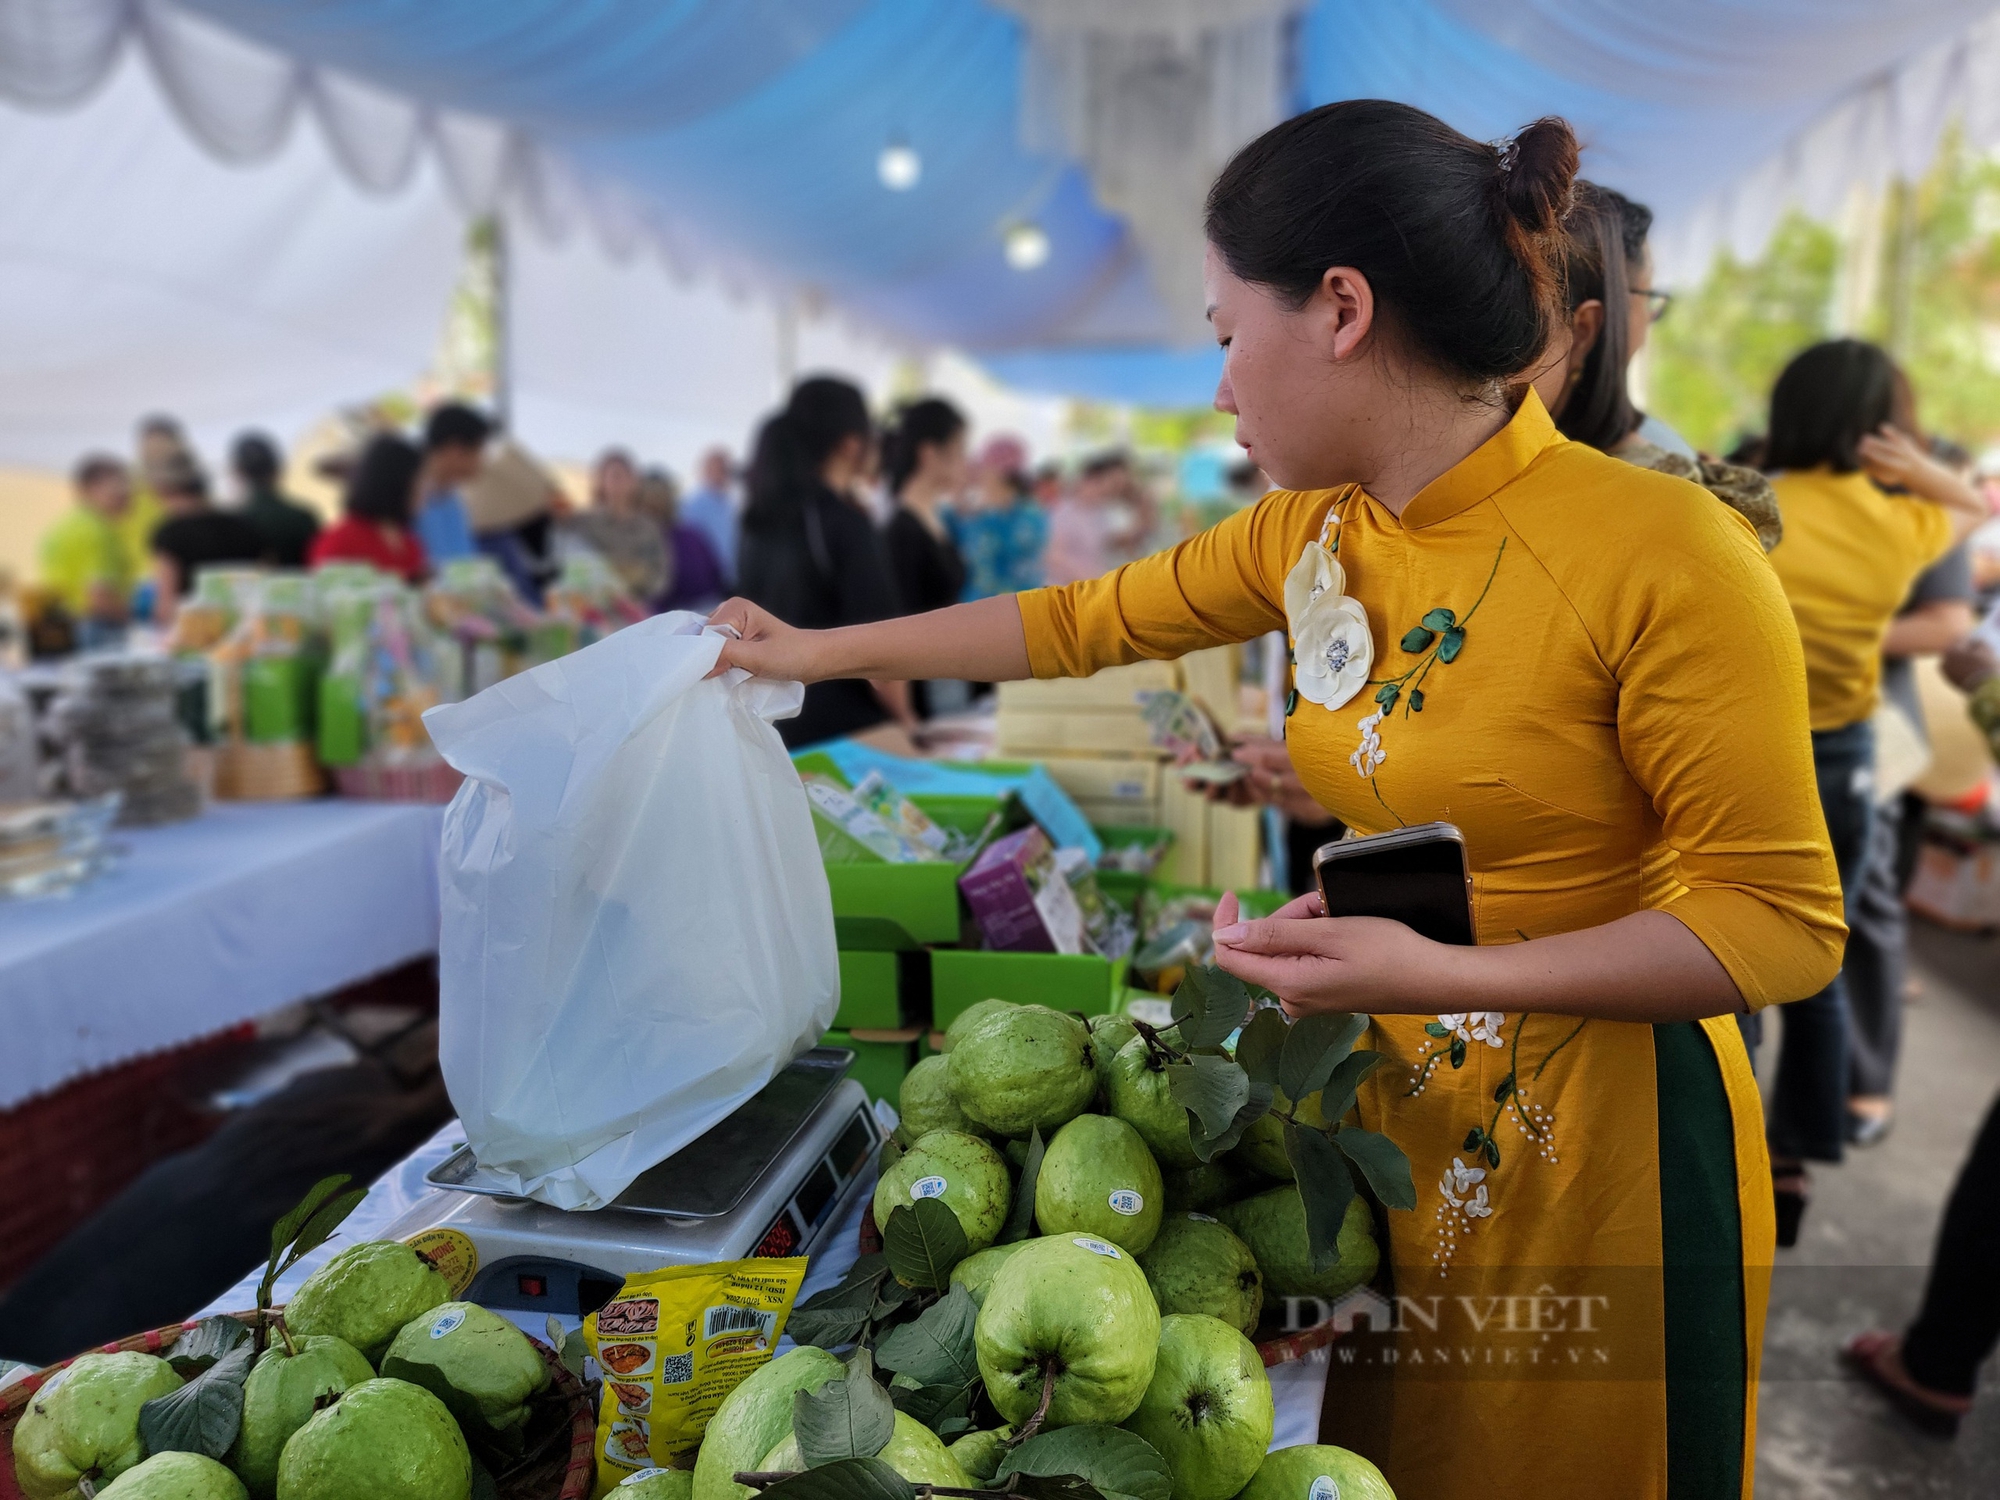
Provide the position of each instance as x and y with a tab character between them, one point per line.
1937	308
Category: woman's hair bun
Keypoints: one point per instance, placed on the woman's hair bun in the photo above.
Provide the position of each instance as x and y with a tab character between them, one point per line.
1538	174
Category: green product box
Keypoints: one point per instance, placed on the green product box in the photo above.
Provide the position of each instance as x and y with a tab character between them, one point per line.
961	977
884	990
279	694
343	723
880	1059
921	898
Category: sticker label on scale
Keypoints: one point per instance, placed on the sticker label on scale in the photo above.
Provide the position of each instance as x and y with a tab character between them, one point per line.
928	1187
1098	1247
1126	1201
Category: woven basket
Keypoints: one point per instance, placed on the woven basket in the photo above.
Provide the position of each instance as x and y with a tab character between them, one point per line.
555	1476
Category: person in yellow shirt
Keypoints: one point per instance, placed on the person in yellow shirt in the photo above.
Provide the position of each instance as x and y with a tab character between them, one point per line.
83	559
1866	509
1589	668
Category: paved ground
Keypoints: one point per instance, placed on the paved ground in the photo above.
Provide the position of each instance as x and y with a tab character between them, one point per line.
1860	1262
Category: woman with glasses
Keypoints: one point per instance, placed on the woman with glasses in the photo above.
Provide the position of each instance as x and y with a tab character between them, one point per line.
1606	266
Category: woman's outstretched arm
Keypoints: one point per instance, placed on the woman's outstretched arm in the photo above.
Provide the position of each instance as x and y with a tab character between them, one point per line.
980	642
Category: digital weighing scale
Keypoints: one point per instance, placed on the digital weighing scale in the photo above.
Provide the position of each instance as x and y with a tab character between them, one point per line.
770	1180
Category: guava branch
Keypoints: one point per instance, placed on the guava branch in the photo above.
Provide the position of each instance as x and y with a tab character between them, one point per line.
1034	1423
760	1480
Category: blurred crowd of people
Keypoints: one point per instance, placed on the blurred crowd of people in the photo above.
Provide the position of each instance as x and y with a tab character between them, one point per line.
921	521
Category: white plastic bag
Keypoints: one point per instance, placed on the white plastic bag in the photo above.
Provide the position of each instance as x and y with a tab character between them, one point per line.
637	929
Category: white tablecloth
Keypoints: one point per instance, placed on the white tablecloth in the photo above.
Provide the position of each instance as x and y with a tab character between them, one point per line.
207	923
1296	1387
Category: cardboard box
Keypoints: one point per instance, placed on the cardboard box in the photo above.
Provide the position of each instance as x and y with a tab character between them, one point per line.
881	1058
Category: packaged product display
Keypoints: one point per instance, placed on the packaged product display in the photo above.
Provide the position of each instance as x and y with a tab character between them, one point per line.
1020	899
673	1344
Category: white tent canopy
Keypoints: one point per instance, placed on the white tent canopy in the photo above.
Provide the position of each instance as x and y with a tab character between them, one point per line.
245	211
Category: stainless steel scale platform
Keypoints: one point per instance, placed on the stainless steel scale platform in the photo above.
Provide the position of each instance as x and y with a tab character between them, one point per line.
770	1180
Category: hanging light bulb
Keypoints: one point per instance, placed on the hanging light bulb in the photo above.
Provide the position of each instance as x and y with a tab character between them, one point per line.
899	166
1026	246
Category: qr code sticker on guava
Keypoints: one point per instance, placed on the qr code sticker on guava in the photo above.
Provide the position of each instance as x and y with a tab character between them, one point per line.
677	1369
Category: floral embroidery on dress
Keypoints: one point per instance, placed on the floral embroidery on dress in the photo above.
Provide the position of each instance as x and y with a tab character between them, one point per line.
1465	1189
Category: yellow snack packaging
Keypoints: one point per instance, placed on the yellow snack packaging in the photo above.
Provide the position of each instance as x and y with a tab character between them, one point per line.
672	1344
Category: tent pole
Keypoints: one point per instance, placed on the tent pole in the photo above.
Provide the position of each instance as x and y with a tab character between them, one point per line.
503	366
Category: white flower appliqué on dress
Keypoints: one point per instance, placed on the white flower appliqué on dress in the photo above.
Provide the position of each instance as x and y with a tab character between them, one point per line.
1332	648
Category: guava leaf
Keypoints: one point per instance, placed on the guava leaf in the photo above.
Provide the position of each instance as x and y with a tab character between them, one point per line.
937	1348
1208	1147
1313	1048
834	1318
1337	1098
1051	1487
320	1227
923	1241
845	1479
1209	1005
945	1409
483	1485
205	1343
1383	1163
849	1418
204	1415
1112	1461
1021	1214
1263	1040
287	1228
1326	1187
1210	1088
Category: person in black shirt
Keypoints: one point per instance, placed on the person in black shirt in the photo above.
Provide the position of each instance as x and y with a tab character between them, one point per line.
923	459
288	528
195	535
810	555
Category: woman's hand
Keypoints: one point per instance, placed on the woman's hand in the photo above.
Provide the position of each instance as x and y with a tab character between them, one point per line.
1270	779
767	646
1892	457
1313	962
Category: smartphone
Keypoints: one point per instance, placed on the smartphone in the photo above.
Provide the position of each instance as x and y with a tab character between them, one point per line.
1417	876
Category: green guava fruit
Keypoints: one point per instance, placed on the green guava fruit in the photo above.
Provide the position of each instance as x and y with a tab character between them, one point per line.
925	1101
979	1453
1108	1036
754	1416
1197	1265
84	1424
474	1361
976	1272
1136	1089
365	1295
1316	1471
175	1476
967	1173
971	1019
1028	1068
1207	1408
279	1398
913	1451
656	1484
1098	1178
1199	1188
1076	1307
1273	1225
1262	1148
382	1440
